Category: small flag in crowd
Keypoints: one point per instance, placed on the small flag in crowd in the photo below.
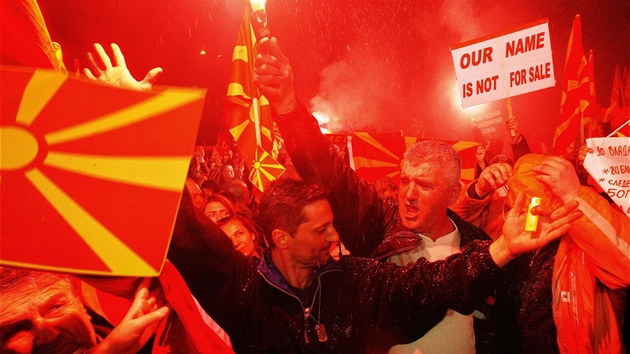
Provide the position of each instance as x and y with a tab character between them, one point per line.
576	93
248	115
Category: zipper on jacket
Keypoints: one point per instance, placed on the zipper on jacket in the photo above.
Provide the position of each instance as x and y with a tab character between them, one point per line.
574	298
307	310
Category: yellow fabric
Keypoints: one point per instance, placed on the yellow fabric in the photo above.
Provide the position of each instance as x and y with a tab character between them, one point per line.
523	180
25	37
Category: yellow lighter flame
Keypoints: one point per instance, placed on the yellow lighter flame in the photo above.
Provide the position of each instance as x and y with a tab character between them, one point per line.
258	4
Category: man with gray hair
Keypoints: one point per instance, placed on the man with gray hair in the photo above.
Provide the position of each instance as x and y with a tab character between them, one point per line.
416	225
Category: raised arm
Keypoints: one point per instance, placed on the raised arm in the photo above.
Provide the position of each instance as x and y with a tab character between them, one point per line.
416	297
116	73
515	241
355	204
138	325
213	270
475	203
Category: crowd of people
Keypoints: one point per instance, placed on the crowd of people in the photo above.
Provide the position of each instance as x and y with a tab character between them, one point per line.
430	265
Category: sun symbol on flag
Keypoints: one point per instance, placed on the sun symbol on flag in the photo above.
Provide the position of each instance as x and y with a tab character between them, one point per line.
264	169
91	175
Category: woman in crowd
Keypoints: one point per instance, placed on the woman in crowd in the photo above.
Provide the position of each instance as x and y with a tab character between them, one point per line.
219	207
243	233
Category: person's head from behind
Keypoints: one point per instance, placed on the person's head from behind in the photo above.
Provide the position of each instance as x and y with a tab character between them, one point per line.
219	207
296	220
240	191
209	187
195	193
242	231
227	172
429	183
523	180
41	312
385	187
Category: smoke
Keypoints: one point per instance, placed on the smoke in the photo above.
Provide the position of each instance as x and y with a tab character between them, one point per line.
459	17
401	76
356	92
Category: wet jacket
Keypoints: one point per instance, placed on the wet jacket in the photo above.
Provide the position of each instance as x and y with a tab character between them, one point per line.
366	305
367	224
584	274
523	318
486	213
591	273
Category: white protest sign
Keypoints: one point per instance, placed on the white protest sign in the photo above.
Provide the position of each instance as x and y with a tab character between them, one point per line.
609	165
504	64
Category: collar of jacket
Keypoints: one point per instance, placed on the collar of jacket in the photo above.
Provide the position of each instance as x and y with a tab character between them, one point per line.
401	239
270	272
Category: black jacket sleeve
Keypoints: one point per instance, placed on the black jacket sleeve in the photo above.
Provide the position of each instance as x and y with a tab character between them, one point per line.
414	298
213	270
359	212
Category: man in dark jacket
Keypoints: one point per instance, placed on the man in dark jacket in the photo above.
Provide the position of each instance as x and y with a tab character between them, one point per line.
416	225
297	299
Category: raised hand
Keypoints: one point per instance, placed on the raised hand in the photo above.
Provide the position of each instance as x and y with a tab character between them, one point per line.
273	76
116	73
559	175
492	178
582	152
138	325
512	125
516	241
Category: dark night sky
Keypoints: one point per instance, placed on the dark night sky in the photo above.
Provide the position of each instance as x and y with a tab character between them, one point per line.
380	66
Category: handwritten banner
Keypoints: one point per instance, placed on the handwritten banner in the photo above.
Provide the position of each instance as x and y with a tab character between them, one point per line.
489	123
609	165
504	64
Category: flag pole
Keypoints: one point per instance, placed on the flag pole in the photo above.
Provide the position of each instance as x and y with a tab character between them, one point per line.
618	128
510	115
260	15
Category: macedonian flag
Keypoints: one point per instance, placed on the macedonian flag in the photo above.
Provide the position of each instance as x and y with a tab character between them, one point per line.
91	175
466	151
264	169
377	155
247	111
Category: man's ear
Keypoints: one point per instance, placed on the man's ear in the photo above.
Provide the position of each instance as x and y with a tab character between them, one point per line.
280	238
457	189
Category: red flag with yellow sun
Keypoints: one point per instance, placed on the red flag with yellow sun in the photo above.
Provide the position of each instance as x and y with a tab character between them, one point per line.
91	174
378	155
248	114
466	151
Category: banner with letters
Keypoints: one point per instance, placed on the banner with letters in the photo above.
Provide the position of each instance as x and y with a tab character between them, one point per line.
504	64
609	165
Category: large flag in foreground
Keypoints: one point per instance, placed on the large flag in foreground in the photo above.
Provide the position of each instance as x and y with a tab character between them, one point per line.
247	112
575	89
91	174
